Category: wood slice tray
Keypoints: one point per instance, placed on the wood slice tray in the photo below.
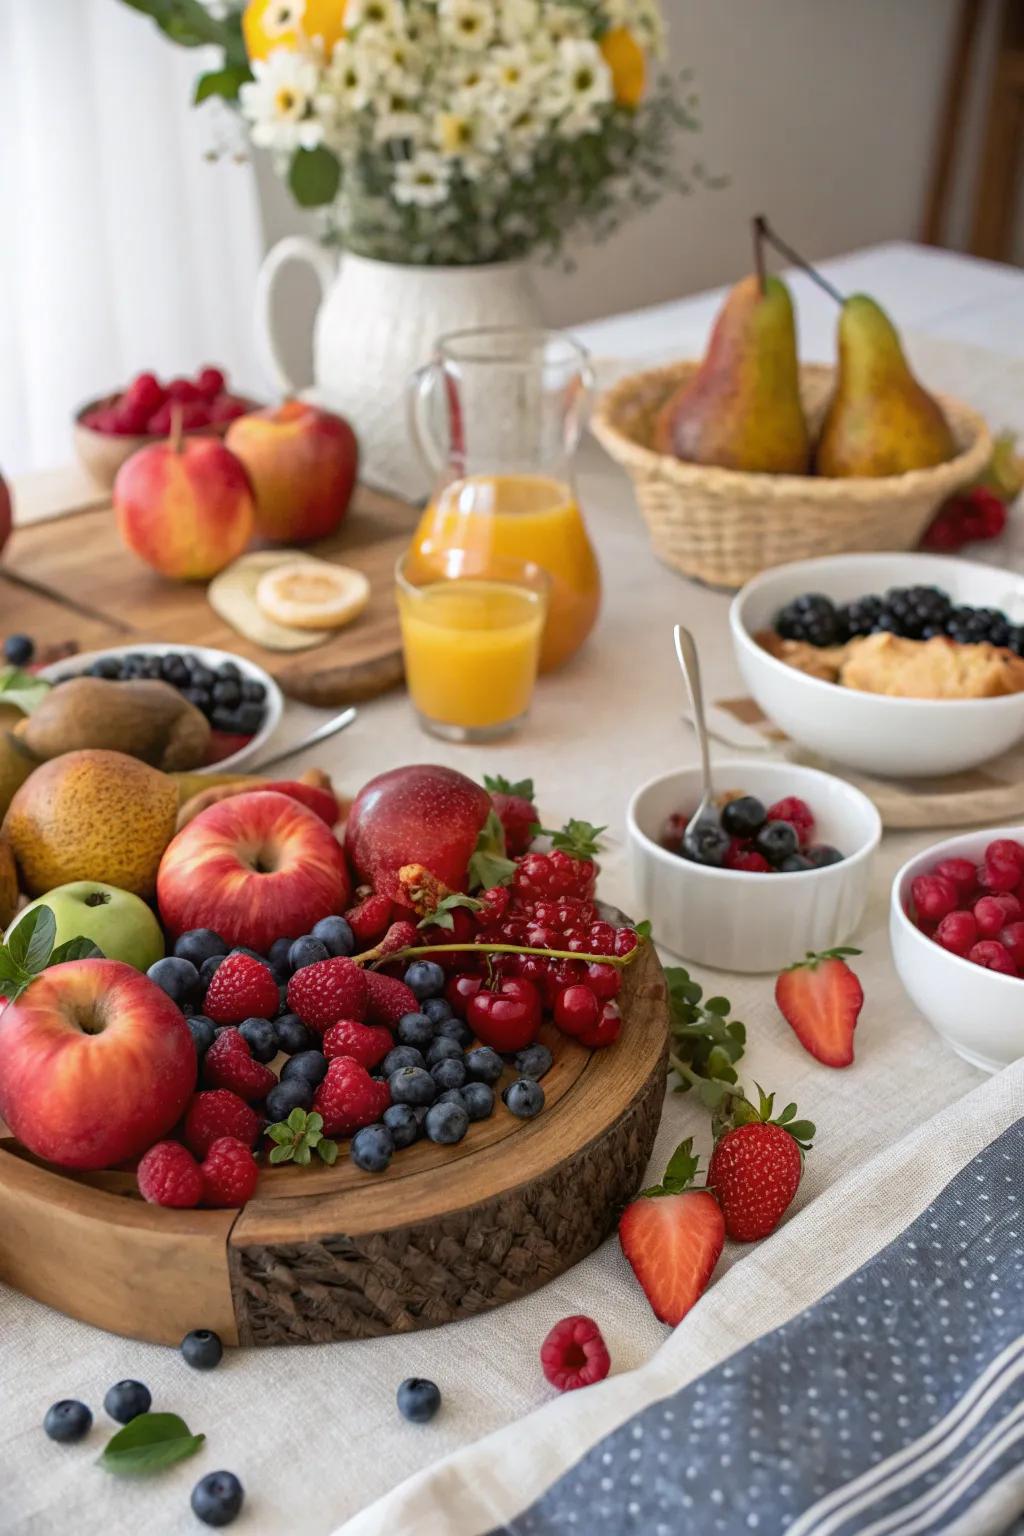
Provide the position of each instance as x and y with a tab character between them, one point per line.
332	1253
97	593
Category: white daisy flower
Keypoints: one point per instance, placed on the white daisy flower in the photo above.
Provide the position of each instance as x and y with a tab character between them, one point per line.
514	73
398	119
467	23
561	21
519	19
584	81
283	16
421	182
373	16
349	82
279	102
465	83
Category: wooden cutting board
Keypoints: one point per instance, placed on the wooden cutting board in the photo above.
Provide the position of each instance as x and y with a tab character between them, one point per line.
71	579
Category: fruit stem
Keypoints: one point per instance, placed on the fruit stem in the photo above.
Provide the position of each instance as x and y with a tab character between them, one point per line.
798	261
374	957
758	226
176	426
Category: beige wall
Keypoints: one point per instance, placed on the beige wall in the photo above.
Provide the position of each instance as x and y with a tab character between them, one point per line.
822	114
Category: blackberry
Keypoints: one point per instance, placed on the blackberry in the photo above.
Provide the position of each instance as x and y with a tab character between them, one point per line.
812	617
861	616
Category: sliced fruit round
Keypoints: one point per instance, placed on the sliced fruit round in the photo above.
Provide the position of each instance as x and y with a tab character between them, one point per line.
310	594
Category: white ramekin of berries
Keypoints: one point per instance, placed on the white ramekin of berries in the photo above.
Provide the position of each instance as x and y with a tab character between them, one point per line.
957	932
782	865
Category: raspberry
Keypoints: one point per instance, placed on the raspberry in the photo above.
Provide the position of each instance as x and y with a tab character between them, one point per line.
496	902
1004	855
517	814
1012	939
958	931
241	988
994	912
216	1113
370	917
574	1354
327	991
168	1174
933	896
349	1098
993	956
210	382
401	935
740	855
229	1064
962	872
799	815
362	1043
387	999
229	1173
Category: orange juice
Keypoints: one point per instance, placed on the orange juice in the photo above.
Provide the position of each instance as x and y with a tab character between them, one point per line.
530	517
471	651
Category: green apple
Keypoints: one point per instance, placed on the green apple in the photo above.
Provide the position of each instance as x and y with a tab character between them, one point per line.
120	923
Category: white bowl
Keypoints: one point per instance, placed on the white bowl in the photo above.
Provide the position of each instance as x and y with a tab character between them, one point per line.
73	666
735	921
979	1012
903	738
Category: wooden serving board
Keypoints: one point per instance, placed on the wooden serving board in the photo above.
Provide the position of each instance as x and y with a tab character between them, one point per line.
325	1254
103	595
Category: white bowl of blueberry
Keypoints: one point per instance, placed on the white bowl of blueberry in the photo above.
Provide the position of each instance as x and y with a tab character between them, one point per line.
781	866
901	665
241	701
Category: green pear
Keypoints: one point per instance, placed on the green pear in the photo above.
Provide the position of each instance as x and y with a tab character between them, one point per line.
741	409
880	420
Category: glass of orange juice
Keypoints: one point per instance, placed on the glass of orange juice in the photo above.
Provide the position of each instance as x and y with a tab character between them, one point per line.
497	415
471	637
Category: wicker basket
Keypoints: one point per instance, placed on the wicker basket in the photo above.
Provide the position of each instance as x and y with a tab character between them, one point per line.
723	526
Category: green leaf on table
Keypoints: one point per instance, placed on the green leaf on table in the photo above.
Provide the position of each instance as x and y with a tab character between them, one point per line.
21	689
225	83
149	1443
314	177
31	944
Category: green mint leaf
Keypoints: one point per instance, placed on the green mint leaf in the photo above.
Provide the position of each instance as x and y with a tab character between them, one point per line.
719	1005
297	1120
282	1154
643	929
302	1154
75	949
441	917
489	864
279	1133
314	1121
501	786
328	1151
21	689
31	943
149	1443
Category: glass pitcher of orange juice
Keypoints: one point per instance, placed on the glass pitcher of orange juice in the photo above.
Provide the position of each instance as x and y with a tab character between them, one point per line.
497	416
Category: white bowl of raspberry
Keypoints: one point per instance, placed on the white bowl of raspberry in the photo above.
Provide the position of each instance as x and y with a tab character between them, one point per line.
739	910
963	963
887	732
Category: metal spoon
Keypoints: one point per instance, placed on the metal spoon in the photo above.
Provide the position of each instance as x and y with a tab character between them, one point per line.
689	665
329	728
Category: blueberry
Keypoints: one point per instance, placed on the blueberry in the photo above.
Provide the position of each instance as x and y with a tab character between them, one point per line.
126	1400
415	1029
743	817
794	862
776	841
258	1035
253	691
107	666
207	969
336	934
202	1349
706	843
418	1400
478	1099
221	719
229	671
67	1421
173	670
441	1048
372	1148
449	1073
291	1035
310	1066
199	697
282	999
455	1029
278	957
290	1093
217	1498
307	951
446	1123
254	954
226	693
403	1123
200	944
425	978
19	650
178	978
452	1096
524	1098
484	1065
202	1032
250	716
411	1085
437	1009
533	1061
202	675
821	854
402	1056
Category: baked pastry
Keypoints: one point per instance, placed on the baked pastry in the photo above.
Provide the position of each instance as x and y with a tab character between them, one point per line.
938	668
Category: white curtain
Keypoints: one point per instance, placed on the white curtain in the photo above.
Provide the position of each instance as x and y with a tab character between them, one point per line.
121	246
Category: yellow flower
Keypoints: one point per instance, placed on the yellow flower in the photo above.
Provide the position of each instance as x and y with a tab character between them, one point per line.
628	64
292	24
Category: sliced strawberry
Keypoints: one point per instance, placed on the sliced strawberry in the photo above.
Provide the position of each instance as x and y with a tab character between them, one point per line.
673	1236
821	998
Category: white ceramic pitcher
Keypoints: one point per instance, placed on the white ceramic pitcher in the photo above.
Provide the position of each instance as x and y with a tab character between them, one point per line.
377	323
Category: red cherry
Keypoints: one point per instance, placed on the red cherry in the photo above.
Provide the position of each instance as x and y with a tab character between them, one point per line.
934	896
210	382
605	1031
958	931
604	981
993	956
460	990
507	1017
626	941
576	1010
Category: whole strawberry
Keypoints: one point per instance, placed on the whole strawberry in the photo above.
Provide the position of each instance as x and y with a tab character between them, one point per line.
370	917
755	1171
516	811
330	990
349	1098
229	1173
241	988
229	1064
216	1113
363	1042
387	999
168	1174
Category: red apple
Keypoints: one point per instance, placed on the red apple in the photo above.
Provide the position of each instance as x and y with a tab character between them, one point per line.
422	814
96	1064
302	463
6	513
184	507
254	868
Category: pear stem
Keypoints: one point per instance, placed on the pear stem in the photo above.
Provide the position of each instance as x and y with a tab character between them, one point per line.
758	227
798	260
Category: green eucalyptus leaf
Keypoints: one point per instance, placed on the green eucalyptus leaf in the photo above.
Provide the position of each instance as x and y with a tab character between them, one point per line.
314	177
149	1443
225	83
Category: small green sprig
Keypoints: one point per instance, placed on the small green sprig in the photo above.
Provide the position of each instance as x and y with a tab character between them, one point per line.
30	949
706	1042
298	1137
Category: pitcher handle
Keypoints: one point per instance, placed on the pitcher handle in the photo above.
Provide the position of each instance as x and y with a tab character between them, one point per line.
293	248
418	392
